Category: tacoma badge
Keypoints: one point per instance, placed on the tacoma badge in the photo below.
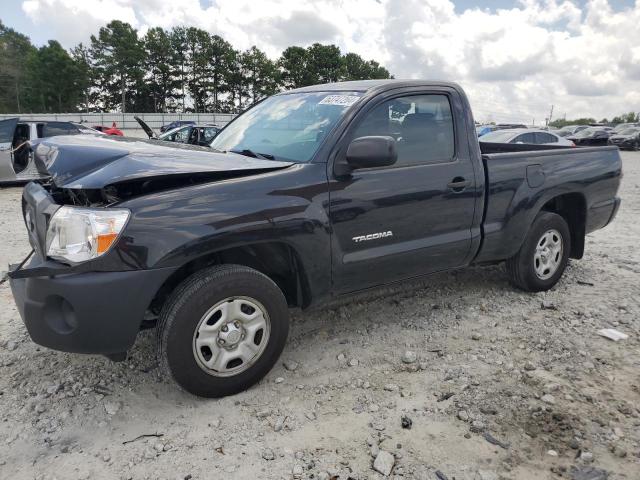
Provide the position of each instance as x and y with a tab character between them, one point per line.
372	236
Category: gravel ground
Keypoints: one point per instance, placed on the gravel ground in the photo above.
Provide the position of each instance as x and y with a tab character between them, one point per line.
458	377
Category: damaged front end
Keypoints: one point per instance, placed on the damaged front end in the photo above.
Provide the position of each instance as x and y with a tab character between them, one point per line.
95	174
101	171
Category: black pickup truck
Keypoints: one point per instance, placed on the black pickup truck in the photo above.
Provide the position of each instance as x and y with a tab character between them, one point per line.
310	195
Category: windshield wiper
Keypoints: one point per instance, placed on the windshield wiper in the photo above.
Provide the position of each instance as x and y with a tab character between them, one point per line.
250	153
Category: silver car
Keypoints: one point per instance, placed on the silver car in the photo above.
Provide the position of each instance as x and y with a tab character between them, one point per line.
16	156
526	136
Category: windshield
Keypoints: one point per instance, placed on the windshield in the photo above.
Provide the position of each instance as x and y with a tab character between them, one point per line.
629	131
501	136
286	127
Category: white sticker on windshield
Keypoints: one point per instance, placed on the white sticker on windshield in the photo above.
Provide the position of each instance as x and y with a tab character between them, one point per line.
341	100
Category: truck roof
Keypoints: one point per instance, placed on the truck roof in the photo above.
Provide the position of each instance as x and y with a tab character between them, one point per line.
370	85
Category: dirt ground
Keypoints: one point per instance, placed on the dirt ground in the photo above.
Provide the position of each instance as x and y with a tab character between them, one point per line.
506	385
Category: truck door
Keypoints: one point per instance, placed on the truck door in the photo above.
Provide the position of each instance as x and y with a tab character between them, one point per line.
411	218
7	131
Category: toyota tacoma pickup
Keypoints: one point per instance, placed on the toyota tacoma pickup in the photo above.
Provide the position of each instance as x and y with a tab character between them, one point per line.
308	196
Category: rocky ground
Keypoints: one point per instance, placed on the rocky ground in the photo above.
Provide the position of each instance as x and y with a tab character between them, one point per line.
458	377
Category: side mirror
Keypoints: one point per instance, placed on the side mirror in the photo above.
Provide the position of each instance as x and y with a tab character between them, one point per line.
369	152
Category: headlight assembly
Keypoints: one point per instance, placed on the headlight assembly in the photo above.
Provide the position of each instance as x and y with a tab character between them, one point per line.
80	234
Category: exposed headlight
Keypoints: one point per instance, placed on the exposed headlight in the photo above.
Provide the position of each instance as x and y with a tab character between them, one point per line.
80	234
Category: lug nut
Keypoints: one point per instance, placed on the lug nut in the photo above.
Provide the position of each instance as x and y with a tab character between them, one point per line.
236	324
224	328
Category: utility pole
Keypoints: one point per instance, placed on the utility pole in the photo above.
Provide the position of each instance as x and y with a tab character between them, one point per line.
550	116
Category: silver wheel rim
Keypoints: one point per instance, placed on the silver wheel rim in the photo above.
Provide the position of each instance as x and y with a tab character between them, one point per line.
231	336
548	255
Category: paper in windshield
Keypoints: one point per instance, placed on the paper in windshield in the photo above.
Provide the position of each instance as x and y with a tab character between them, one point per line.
340	100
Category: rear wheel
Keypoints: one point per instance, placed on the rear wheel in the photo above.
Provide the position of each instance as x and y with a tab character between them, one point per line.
543	256
222	330
636	145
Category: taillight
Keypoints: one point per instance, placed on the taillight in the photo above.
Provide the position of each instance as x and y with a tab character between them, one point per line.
572	144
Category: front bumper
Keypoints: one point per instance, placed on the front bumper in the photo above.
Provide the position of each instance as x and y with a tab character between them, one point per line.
90	312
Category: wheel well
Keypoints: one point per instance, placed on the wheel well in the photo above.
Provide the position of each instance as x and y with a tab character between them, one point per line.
573	208
276	260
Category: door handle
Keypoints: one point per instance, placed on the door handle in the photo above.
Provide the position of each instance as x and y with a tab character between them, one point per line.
458	184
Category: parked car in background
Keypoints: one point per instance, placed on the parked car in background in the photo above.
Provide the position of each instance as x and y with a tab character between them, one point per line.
628	138
16	156
176	124
191	134
623	126
591	136
526	136
113	130
569	130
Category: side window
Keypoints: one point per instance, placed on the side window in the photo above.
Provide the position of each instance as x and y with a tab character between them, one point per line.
528	138
7	128
209	133
59	128
421	124
40	130
543	138
181	136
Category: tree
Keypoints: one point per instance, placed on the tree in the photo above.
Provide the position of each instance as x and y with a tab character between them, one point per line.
160	68
561	122
198	68
178	40
184	69
236	84
15	49
260	74
293	64
630	117
118	56
324	63
220	56
61	92
82	58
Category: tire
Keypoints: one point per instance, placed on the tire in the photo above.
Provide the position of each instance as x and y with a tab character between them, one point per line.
636	146
530	269
256	316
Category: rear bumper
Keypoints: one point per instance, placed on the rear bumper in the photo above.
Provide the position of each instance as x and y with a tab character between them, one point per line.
602	214
93	312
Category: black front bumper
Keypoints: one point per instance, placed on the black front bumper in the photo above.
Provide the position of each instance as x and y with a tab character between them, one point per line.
90	312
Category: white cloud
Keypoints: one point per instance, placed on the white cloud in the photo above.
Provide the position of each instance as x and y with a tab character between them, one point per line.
582	56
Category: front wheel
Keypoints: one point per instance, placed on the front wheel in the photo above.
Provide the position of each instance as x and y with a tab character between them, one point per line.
222	330
543	256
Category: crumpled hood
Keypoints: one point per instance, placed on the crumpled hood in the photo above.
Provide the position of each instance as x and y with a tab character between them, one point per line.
87	161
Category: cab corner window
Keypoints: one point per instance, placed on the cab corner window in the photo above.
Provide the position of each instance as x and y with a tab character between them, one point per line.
422	126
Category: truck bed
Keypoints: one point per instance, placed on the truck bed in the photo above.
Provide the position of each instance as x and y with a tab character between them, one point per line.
520	182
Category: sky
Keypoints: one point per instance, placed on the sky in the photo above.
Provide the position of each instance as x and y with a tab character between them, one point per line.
514	58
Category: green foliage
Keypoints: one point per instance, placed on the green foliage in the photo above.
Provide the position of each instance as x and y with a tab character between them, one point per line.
45	92
631	117
559	123
118	63
182	69
15	49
